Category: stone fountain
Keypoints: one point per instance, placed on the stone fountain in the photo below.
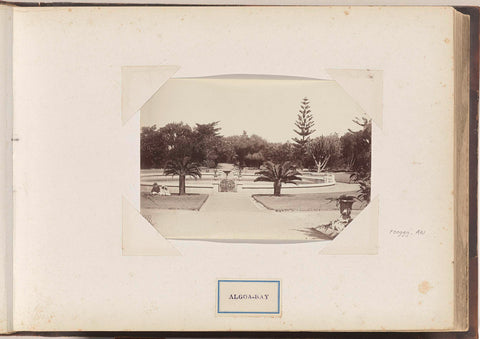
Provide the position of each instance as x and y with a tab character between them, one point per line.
226	184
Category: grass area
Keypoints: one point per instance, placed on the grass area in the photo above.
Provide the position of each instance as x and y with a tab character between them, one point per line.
304	202
173	202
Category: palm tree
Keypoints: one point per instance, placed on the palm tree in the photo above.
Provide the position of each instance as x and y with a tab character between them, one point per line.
182	168
284	172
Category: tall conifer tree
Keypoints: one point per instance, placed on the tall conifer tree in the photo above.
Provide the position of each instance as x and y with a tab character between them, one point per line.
304	129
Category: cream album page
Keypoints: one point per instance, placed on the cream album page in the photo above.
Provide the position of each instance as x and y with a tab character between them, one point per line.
233	168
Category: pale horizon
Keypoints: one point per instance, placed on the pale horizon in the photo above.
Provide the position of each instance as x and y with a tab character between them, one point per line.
267	108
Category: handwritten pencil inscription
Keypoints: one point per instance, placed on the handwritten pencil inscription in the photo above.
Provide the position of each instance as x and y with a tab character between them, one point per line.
401	233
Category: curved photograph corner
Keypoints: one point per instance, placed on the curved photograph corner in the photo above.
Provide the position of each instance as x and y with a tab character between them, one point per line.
253	159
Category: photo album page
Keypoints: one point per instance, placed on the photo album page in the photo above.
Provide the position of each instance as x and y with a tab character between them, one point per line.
234	168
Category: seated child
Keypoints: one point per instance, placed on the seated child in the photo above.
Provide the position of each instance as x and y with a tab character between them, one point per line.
164	190
155	189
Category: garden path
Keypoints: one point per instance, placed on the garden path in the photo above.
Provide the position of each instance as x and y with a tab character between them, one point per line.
229	202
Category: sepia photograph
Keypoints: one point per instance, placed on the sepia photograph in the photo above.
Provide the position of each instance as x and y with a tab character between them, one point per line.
252	158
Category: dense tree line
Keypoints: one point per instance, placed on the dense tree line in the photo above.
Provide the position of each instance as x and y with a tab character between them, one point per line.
204	145
181	150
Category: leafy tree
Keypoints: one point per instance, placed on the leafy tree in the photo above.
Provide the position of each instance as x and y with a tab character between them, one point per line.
348	143
279	152
363	179
179	138
284	172
356	147
304	124
153	148
225	150
182	168
362	165
174	148
245	148
240	147
254	159
323	149
363	145
208	142
208	130
256	145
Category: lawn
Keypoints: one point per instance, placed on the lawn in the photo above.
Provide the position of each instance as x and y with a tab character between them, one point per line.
174	201
304	202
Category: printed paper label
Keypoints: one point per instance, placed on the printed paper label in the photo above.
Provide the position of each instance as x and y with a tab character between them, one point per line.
254	297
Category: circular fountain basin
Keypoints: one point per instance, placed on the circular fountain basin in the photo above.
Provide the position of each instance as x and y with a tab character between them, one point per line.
244	182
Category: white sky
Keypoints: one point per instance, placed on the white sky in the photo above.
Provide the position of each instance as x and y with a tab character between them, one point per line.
267	108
